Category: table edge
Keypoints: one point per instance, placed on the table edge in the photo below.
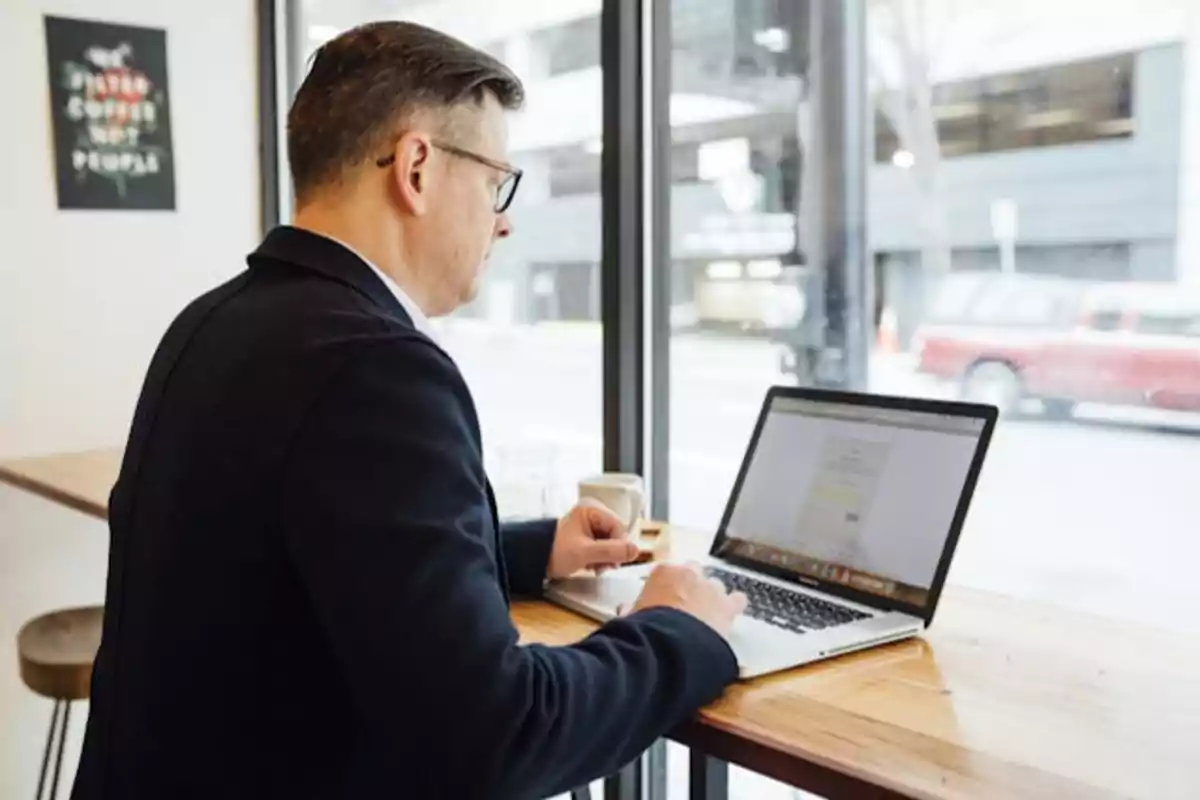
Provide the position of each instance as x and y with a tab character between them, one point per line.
712	739
52	493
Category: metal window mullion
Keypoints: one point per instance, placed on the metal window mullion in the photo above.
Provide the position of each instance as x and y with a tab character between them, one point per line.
621	262
659	257
269	161
834	200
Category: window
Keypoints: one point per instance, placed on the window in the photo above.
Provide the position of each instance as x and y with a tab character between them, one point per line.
574	171
565	292
1005	300
1098	418
495	48
1077	260
1056	105
955	296
1169	324
571	46
685	162
1087	483
529	346
1105	320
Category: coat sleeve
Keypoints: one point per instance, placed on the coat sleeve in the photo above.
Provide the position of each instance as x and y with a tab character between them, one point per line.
387	524
527	554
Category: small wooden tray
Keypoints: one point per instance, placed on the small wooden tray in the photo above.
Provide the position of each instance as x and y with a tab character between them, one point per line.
654	541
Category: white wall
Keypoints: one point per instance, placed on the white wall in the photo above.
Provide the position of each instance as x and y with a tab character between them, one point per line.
85	295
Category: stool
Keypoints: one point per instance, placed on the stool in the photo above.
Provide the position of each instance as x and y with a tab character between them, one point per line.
56	652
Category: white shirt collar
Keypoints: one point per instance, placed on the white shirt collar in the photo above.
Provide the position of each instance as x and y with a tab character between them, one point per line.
419	320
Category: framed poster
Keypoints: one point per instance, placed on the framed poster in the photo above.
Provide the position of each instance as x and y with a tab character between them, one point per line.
111	115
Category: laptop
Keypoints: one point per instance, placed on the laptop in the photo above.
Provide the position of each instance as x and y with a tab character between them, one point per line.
840	527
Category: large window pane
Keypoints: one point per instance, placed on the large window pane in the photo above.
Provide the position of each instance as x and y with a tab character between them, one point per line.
1030	203
1032	219
1031	215
529	346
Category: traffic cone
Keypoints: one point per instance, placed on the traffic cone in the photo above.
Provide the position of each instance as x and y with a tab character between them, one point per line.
887	337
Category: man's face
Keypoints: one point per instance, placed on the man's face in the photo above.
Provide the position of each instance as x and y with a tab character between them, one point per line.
462	221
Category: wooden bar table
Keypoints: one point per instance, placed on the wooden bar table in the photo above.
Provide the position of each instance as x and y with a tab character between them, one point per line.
1001	698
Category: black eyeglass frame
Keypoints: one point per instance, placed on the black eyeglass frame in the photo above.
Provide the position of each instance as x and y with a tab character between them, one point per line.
504	197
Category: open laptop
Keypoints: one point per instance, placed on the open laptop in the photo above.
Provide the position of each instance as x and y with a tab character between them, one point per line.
840	527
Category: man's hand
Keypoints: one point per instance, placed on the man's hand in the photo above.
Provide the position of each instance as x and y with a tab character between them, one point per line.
687	589
589	537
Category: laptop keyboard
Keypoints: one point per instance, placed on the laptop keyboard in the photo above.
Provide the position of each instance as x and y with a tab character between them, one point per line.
784	608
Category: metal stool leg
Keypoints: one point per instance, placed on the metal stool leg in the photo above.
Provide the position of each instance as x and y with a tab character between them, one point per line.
708	777
62	741
46	754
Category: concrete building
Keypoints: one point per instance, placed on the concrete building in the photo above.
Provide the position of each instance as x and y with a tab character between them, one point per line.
1089	178
1082	138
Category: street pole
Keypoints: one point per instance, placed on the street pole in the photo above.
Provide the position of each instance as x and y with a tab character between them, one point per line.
1008	256
832	214
1004	229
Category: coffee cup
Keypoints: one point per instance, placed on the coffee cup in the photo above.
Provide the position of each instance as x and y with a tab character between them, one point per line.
622	493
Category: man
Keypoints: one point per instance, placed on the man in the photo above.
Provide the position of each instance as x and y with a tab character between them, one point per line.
308	585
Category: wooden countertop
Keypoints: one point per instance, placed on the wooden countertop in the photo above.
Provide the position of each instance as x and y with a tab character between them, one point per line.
81	481
1001	698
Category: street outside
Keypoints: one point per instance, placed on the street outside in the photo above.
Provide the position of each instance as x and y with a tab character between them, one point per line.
1098	513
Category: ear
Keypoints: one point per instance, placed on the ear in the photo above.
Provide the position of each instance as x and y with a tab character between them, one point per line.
411	174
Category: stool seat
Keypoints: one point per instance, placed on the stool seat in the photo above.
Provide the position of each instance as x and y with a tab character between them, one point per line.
56	652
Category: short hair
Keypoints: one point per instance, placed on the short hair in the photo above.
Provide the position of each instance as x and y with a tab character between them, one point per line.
367	81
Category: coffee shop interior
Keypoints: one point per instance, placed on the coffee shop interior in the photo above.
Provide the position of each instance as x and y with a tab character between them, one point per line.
997	202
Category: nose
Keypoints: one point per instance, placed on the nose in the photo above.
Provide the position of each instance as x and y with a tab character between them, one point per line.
503	227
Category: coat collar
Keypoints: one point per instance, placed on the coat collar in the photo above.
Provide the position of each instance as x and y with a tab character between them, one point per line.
330	259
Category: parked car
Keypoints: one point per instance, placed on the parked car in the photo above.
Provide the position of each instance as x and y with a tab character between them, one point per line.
1005	338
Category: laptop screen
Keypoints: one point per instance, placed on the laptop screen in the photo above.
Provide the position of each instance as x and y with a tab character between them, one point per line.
850	494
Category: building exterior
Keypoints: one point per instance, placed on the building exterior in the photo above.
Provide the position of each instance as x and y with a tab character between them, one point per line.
1080	138
1092	178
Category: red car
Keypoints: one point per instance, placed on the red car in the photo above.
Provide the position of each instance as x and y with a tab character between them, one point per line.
1005	338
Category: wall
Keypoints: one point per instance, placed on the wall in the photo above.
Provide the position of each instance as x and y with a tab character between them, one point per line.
1117	190
1124	190
85	296
1155	261
1188	251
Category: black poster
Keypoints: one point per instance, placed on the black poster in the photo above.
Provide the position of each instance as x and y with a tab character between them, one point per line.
112	116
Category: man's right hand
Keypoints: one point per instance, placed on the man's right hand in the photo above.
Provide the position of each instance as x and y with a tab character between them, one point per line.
687	589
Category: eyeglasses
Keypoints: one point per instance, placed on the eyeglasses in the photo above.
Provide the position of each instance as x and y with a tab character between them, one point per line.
505	192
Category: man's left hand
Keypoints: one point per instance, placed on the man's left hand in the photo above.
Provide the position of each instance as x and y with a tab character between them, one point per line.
589	537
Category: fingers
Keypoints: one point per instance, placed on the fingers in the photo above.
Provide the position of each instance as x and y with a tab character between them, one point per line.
610	552
602	523
738	601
